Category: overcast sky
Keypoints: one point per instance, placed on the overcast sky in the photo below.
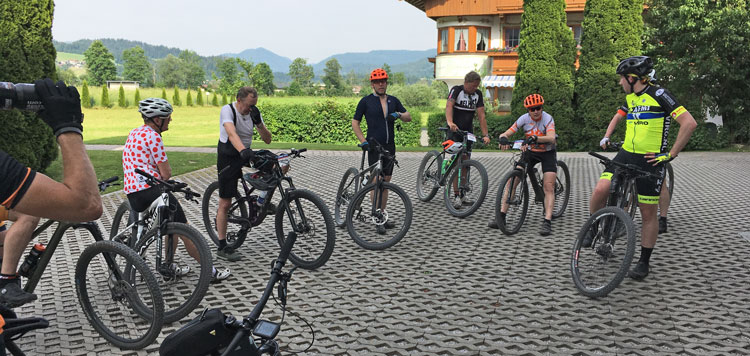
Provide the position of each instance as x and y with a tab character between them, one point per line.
311	29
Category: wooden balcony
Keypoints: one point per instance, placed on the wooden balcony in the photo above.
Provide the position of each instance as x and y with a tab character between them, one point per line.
504	63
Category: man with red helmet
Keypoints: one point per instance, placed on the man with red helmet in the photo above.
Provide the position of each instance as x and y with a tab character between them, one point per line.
381	111
540	127
463	102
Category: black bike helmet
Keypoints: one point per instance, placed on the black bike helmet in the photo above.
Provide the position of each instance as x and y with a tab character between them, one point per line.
640	66
264	160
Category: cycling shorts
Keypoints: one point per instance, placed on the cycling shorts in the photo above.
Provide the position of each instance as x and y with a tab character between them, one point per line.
232	171
547	158
141	200
648	187
388	163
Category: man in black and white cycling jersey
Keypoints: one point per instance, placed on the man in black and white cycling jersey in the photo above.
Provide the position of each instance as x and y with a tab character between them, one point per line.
28	194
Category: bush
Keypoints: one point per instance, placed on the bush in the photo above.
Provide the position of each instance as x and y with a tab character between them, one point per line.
121	101
325	122
105	98
86	101
189	98
199	97
176	97
417	95
137	97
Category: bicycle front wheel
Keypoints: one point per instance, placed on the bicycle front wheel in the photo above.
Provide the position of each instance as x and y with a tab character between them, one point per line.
120	221
468	182
185	269
599	269
347	188
428	176
238	213
108	298
562	189
513	196
378	228
305	213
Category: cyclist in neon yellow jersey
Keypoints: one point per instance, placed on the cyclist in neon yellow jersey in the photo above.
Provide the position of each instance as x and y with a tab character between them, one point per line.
649	111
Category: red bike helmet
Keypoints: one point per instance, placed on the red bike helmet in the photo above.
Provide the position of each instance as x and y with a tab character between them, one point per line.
533	100
378	74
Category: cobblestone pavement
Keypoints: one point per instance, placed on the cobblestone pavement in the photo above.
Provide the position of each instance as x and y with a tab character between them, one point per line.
455	287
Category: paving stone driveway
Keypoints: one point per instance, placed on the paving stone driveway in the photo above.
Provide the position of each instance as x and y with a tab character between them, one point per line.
455	287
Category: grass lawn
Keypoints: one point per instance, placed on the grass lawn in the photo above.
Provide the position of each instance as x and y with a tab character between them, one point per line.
109	163
65	56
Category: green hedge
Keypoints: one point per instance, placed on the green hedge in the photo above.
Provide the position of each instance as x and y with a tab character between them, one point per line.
496	124
325	122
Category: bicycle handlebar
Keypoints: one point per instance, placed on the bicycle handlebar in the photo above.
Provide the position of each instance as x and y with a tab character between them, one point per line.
175	187
103	185
627	166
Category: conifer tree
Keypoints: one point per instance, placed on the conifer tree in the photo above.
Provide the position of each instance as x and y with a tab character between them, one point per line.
137	98
215	100
164	93
105	97
199	97
546	64
176	97
85	96
189	99
121	101
223	99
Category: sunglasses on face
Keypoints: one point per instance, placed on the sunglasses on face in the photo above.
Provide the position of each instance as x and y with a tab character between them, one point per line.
536	108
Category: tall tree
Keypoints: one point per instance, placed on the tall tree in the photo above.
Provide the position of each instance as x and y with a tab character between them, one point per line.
230	76
546	63
301	73
176	97
193	72
85	96
199	97
332	78
702	54
100	63
263	79
169	71
136	66
121	101
612	31
137	97
26	54
105	97
189	99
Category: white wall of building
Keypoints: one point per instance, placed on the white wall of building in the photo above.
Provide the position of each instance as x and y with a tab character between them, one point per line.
453	68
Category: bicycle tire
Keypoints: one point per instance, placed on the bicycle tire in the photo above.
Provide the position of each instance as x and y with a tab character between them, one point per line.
347	189
122	214
431	162
180	300
87	295
478	199
238	210
631	201
602	250
562	190
519	205
669	180
363	233
307	231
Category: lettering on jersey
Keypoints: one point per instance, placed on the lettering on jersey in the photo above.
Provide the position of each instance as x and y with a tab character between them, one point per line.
638	109
639	122
666	97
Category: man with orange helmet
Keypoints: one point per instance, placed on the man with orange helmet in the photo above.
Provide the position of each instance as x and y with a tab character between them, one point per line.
539	126
649	111
463	102
381	112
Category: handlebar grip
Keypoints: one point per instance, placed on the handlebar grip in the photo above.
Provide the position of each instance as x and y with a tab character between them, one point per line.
139	171
302	150
110	180
291	238
598	156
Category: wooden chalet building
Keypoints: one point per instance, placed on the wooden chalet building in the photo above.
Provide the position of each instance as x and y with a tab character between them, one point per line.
483	35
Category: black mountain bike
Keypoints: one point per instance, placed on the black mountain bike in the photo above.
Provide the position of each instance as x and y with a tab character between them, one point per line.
299	210
631	196
127	309
599	269
361	196
249	336
513	194
183	269
461	177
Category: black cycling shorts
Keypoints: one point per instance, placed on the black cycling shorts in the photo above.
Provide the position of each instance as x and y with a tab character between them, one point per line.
548	159
229	168
141	200
648	188
373	157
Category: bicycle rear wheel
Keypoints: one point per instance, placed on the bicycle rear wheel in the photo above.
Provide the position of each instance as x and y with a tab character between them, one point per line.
599	269
471	188
562	190
108	298
238	213
378	229
316	233
347	189
669	179
514	193
428	176
183	280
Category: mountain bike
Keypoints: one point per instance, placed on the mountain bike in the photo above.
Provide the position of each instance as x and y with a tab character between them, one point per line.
183	269
461	177
376	207
126	308
599	269
249	336
299	210
513	195
631	196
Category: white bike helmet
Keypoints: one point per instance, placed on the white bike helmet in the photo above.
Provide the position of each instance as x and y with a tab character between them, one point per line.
452	147
154	107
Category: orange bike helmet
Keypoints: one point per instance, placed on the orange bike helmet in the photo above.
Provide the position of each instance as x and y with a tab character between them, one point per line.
378	74
452	147
533	100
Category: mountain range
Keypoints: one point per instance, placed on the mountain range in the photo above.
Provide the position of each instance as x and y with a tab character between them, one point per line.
412	63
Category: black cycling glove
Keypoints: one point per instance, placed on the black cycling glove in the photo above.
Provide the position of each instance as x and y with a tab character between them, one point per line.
247	154
62	106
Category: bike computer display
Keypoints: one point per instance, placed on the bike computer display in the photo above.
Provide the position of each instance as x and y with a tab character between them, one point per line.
266	329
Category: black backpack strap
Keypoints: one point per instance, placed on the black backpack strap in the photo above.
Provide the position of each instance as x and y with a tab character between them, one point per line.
234	114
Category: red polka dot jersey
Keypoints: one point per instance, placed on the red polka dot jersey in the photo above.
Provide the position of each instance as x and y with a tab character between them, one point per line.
144	149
